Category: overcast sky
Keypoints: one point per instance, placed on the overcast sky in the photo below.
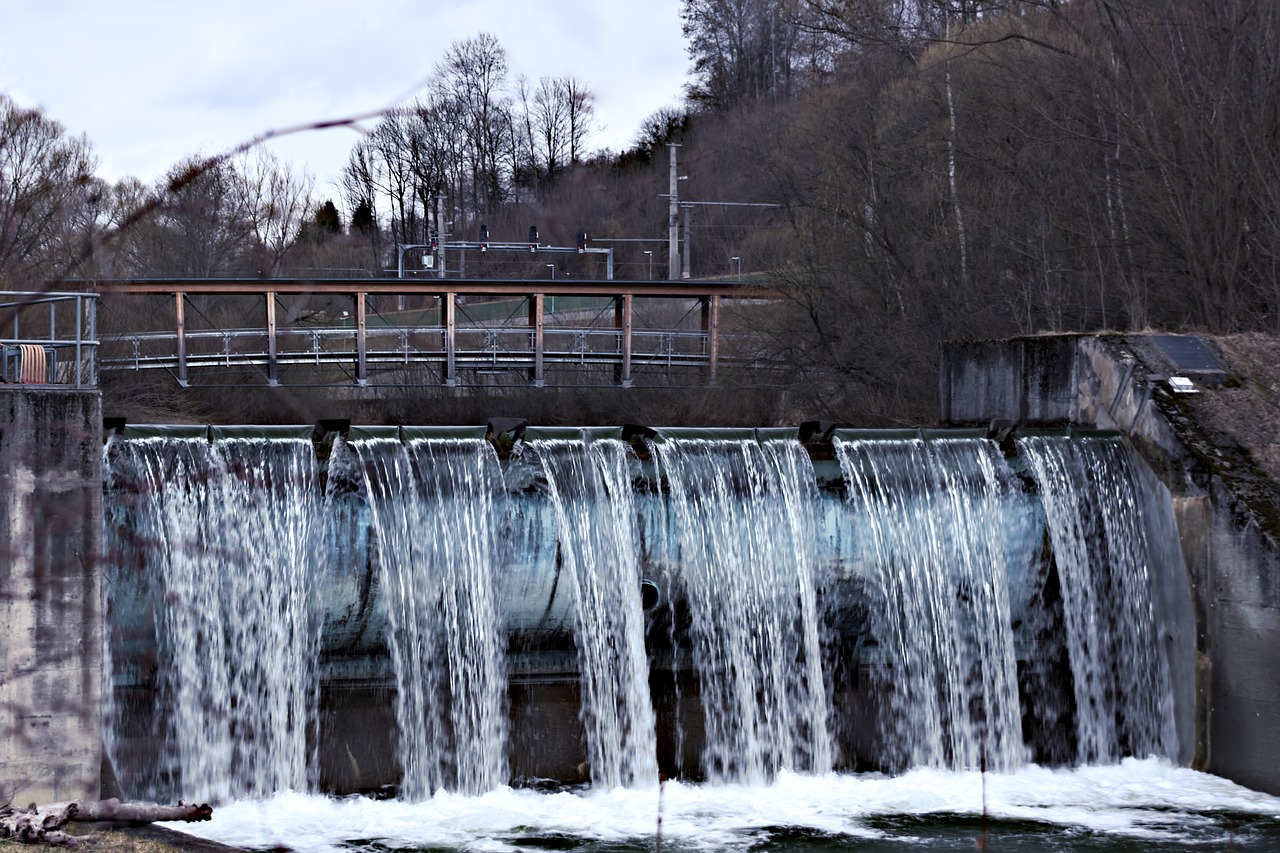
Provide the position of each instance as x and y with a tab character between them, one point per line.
152	81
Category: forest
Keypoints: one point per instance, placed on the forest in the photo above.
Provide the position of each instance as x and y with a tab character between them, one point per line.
903	172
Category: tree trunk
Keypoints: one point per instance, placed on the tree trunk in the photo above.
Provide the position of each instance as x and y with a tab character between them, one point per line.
30	826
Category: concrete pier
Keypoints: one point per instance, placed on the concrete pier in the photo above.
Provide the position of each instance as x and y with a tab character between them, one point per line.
50	594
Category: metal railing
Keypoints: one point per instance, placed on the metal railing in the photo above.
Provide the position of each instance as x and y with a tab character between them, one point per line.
49	339
453	326
478	347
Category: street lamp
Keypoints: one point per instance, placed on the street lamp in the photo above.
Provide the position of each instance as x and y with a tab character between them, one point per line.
650	254
552	267
739	260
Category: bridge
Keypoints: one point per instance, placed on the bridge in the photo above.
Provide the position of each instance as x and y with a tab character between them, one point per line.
371	331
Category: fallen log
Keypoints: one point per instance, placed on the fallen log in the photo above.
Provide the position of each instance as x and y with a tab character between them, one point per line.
115	811
31	826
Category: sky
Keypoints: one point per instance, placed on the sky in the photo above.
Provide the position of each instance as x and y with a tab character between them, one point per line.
153	81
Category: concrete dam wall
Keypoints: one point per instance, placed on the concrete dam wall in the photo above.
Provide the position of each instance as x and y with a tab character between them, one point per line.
1227	509
411	609
1093	575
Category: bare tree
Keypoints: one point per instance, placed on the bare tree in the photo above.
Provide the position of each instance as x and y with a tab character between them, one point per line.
582	114
741	49
277	201
203	226
45	184
473	77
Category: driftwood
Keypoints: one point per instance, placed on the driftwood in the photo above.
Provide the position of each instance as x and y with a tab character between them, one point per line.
116	811
30	825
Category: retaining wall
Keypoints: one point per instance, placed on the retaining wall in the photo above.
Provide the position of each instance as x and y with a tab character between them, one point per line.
50	595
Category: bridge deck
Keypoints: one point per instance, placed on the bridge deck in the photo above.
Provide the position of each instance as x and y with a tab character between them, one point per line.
435	336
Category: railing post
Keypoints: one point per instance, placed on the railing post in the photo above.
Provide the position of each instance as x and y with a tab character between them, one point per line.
448	309
272	378
711	328
536	376
362	342
180	307
80	324
94	344
622	321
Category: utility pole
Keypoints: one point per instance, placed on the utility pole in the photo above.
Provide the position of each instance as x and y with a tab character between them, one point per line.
440	235
673	219
688	221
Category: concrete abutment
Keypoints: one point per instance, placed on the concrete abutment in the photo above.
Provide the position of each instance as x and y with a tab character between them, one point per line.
1225	509
51	615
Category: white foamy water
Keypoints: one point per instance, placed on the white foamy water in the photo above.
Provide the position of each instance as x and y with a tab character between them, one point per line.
1150	801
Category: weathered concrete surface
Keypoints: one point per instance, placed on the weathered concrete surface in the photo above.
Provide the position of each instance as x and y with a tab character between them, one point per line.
1227	509
50	594
1025	380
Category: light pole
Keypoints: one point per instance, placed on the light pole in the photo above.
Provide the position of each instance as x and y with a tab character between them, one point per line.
738	258
650	254
552	267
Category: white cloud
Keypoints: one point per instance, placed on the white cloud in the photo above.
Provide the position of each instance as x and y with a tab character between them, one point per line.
151	82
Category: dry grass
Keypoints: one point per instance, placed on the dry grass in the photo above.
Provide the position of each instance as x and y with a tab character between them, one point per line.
1248	408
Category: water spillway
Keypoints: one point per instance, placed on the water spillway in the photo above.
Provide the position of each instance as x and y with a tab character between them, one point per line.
407	608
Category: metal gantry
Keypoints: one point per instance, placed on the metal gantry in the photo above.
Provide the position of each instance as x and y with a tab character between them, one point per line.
488	326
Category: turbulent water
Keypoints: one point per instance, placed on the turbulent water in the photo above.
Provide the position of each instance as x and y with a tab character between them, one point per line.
434	522
926	513
590	489
1146	804
228	533
941	610
743	530
1097	519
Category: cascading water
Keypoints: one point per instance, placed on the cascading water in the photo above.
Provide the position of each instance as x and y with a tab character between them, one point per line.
743	531
590	488
936	528
225	536
925	606
1098	519
434	516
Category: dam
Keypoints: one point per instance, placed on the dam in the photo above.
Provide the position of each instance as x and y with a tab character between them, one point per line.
410	610
1055	610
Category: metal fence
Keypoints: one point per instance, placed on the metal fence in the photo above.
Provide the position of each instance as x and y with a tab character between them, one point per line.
49	339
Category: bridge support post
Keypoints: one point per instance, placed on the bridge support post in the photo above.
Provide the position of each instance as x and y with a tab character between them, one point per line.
362	342
449	315
711	328
622	321
273	379
180	308
536	304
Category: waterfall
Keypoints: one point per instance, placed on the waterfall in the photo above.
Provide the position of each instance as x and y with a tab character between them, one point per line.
926	601
743	530
931	520
435	515
223	539
1098	519
590	487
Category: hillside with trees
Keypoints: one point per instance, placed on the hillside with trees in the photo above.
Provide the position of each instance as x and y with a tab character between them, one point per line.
932	169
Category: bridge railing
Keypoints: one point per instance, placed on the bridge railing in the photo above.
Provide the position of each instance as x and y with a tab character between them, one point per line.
472	325
475	347
49	339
